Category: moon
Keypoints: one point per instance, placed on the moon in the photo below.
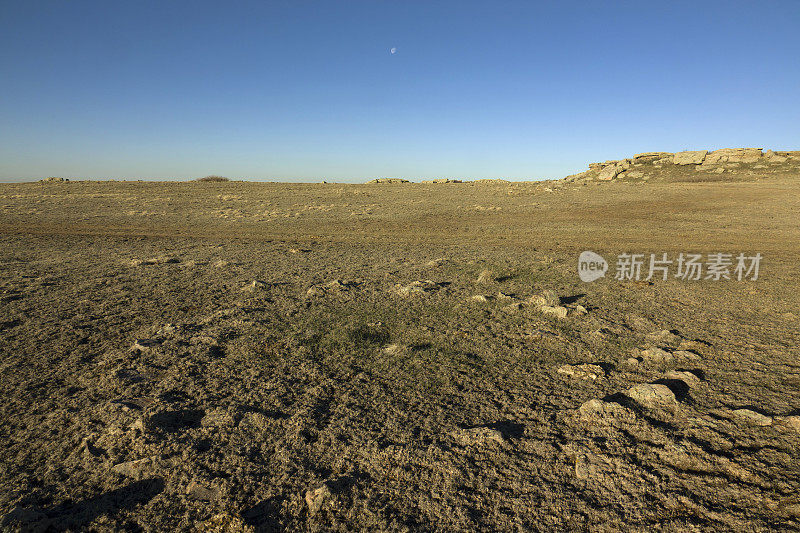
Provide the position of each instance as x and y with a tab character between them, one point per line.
393	51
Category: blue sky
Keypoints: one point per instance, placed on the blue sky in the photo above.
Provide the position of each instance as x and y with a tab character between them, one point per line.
304	91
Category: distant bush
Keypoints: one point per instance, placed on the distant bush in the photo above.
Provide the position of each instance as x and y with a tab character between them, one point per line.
215	179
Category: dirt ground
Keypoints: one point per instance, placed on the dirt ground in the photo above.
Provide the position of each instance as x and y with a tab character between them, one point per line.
314	357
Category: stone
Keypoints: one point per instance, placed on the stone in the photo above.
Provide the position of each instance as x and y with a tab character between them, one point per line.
478	298
583	371
143	345
388	180
477	436
557	311
512	307
598	411
608	173
733	155
225	523
255	285
686	355
579	310
417	288
752	417
650	156
635	174
772	157
486	276
582	470
202	492
392	349
692	157
653	396
441	180
791	421
663	335
656	355
316	498
550	298
689	378
136	469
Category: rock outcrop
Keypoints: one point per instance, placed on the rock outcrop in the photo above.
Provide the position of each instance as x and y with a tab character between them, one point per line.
714	161
689	158
388	180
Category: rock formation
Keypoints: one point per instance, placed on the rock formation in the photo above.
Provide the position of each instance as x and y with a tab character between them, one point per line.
714	161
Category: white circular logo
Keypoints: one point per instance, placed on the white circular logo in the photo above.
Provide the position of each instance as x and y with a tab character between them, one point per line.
591	266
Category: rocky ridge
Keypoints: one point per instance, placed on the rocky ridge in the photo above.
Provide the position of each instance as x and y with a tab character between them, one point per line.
714	161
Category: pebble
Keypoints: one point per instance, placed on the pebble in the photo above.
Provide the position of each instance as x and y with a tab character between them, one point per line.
582	371
145	344
254	285
486	276
316	498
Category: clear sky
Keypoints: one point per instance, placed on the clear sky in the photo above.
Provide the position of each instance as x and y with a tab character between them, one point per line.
309	90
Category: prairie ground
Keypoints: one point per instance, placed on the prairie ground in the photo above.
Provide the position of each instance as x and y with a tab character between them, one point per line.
252	356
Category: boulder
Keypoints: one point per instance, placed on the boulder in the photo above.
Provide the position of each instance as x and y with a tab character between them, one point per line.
609	172
650	156
694	157
733	155
772	157
653	396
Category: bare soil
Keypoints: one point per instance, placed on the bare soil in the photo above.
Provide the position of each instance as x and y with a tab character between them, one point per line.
233	356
